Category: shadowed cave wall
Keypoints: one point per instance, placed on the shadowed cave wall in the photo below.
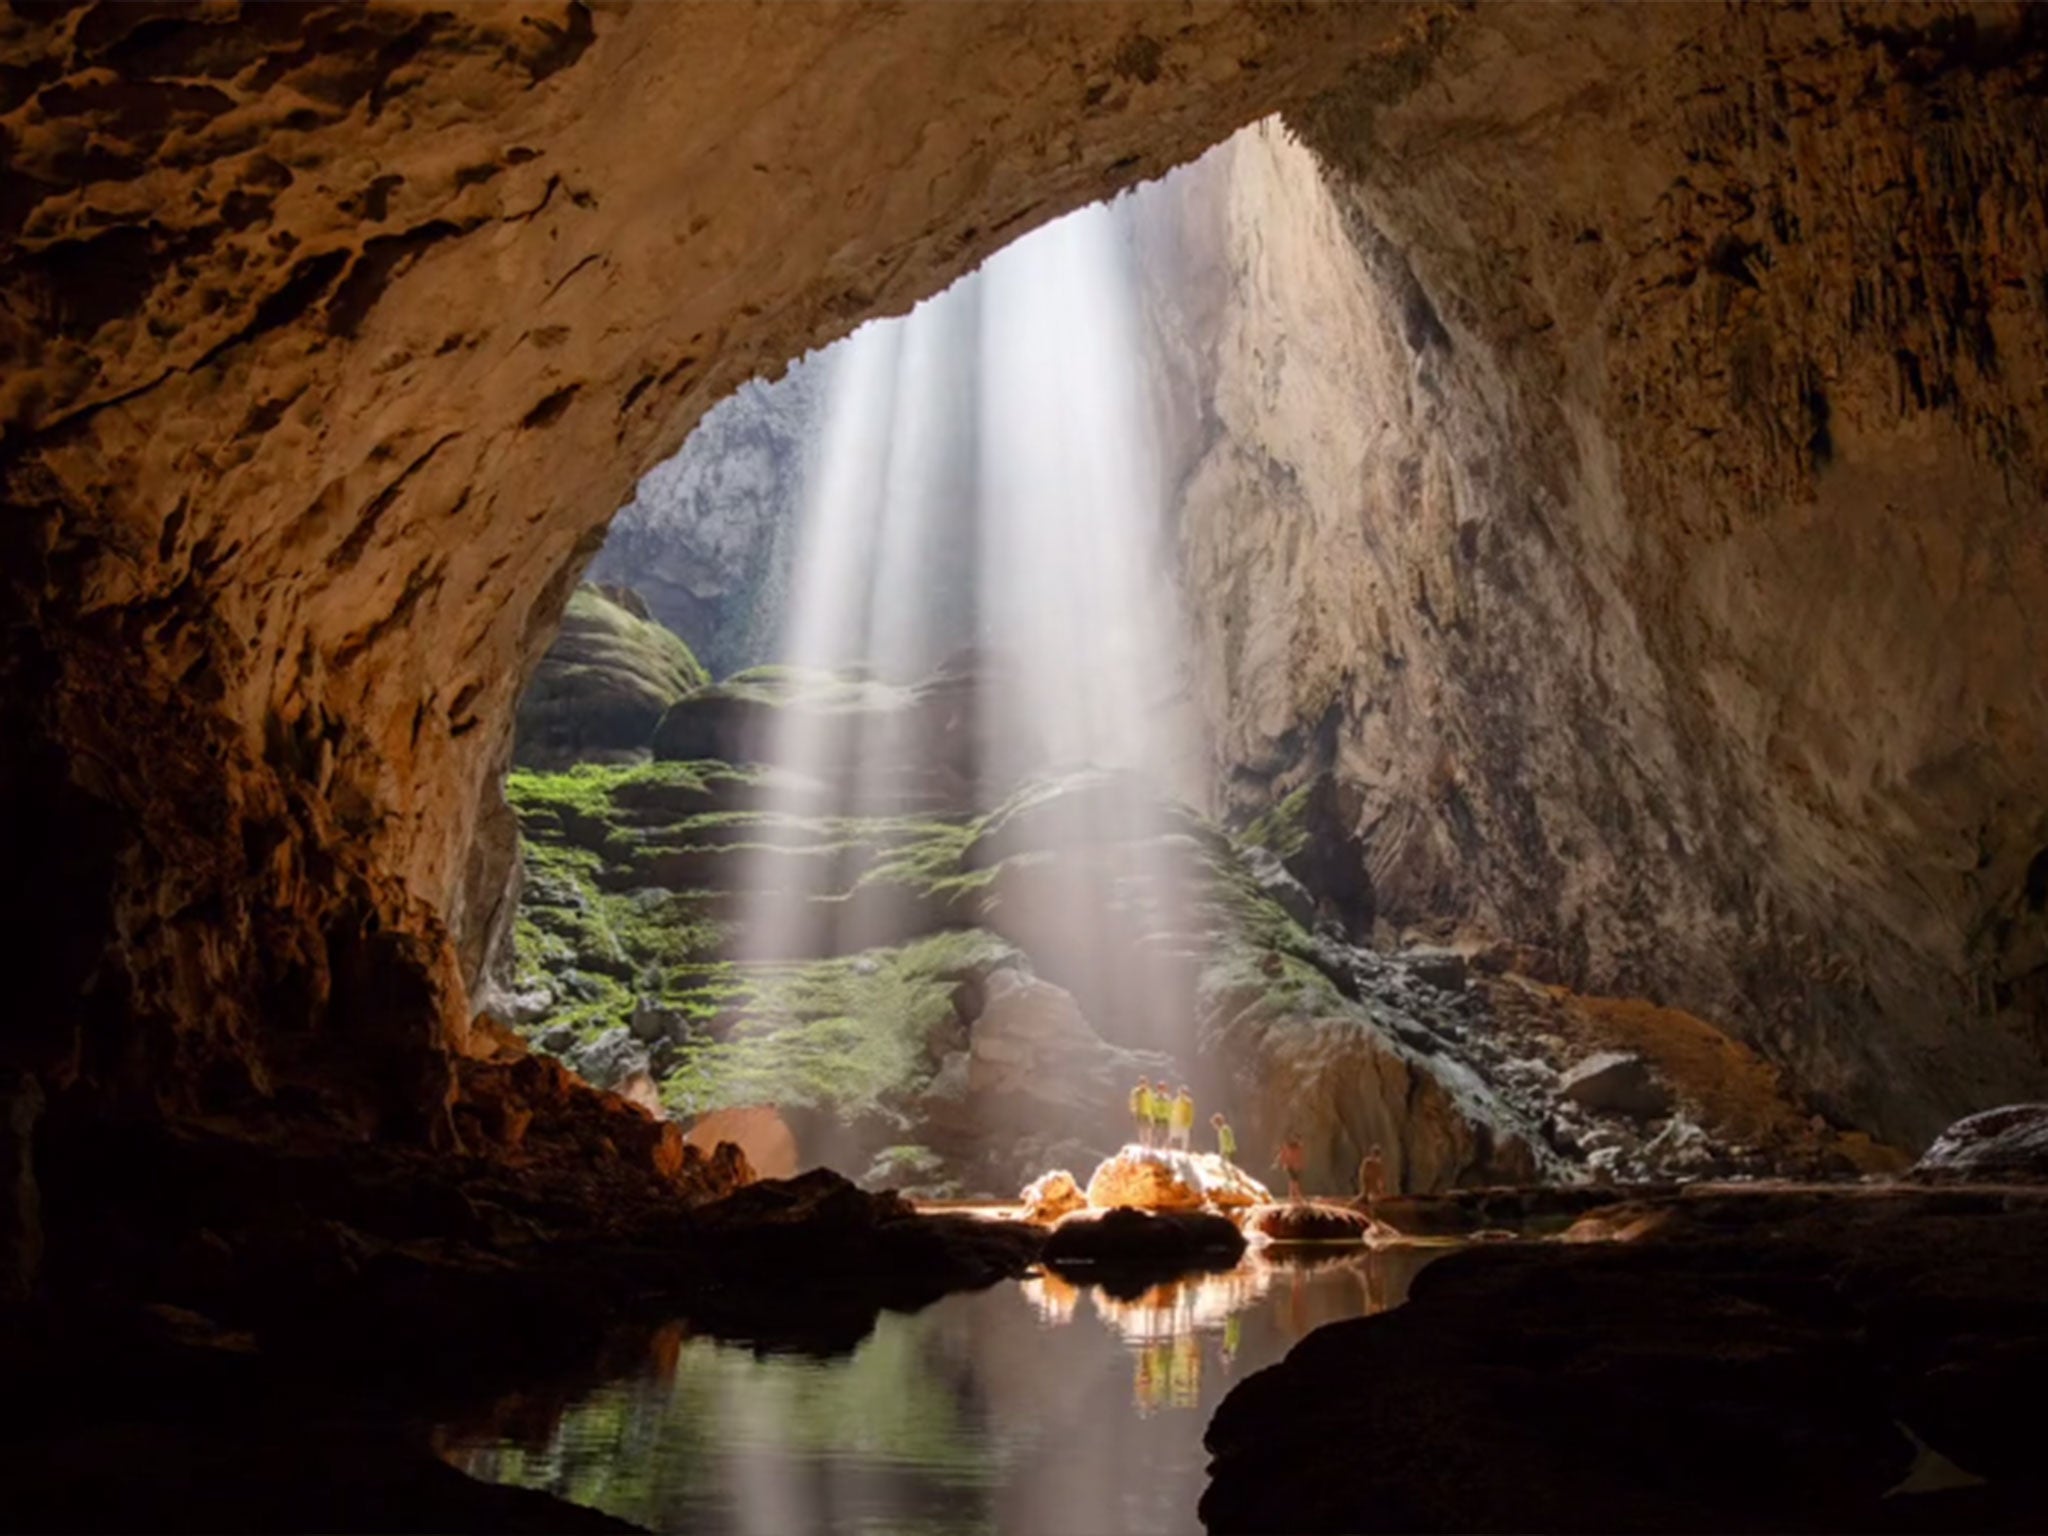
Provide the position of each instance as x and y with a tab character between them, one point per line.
1641	522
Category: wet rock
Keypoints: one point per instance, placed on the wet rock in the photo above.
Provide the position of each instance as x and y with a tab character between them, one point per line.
1309	1221
1147	1243
1761	1360
1052	1195
1996	1146
799	1241
1615	1082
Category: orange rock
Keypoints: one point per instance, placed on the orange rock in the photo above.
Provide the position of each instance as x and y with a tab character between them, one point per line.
1052	1195
757	1130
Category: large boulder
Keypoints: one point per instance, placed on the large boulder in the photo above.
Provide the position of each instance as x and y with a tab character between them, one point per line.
1146	1243
1616	1083
604	685
1998	1146
1156	1179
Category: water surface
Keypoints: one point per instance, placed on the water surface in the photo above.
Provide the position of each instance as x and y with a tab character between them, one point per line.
1037	1406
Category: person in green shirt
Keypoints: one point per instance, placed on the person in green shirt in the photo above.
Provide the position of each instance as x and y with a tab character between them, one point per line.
1141	1111
1184	1118
1162	1114
1226	1138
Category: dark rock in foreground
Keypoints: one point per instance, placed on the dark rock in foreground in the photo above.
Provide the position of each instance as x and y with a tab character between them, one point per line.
1773	1359
1133	1245
2006	1144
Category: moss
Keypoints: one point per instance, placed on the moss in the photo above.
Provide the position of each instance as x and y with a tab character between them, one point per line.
1281	829
846	1035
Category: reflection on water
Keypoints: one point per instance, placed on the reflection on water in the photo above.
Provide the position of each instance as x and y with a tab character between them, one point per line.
1040	1406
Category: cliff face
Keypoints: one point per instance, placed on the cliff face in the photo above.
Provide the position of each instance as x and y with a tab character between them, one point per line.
709	537
1621	474
1650	481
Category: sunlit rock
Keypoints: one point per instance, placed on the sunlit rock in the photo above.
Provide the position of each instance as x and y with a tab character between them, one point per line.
1161	1179
757	1130
1052	1195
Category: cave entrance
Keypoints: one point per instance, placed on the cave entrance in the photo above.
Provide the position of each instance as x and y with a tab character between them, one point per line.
862	801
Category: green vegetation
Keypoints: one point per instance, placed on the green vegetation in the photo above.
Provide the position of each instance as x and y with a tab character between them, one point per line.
848	1034
1282	829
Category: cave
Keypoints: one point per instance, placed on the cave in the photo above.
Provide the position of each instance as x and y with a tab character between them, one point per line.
1596	456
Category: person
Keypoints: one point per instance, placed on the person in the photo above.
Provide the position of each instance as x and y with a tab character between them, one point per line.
1291	1159
1162	1114
1184	1119
1226	1138
1372	1176
1141	1111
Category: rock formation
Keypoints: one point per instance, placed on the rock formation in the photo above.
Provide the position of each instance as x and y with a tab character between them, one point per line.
1160	1179
1803	1360
1644	610
605	683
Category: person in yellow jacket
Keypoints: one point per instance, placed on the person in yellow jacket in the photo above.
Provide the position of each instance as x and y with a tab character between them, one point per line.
1162	1114
1183	1121
1141	1111
1226	1138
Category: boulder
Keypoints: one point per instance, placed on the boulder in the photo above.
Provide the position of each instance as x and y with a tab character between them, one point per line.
1153	1179
1998	1146
651	1023
1151	1243
1616	1083
1309	1221
1052	1195
604	684
610	1059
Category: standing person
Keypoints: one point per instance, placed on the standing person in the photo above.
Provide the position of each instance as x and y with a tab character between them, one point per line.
1141	1111
1291	1159
1372	1176
1184	1119
1162	1114
1226	1138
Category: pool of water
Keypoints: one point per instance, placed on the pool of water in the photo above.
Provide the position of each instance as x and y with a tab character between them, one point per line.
1035	1406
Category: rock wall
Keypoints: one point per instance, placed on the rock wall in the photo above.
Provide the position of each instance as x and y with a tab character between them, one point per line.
709	538
1620	472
